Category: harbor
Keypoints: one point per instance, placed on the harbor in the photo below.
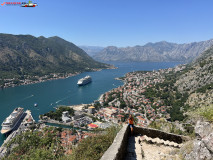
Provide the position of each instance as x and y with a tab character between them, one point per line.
51	94
82	118
24	125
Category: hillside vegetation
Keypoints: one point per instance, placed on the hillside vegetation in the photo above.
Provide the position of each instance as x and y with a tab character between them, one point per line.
199	76
198	81
22	55
188	89
93	148
46	144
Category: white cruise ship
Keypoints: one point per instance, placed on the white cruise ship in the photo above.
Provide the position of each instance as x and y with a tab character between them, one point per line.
10	122
84	81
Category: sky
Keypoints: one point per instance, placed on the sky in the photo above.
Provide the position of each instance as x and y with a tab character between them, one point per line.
112	22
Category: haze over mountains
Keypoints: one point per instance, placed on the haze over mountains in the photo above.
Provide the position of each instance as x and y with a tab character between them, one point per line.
154	52
91	50
28	55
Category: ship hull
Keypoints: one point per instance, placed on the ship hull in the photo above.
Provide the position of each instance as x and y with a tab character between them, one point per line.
84	83
3	131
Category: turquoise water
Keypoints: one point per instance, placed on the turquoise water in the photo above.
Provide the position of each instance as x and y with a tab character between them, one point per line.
66	91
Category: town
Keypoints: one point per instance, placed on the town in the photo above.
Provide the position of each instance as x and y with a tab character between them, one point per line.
114	107
111	109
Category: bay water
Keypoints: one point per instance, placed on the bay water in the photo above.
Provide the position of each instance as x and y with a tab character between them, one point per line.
52	93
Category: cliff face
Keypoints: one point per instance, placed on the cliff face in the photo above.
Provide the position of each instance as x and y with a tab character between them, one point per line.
156	52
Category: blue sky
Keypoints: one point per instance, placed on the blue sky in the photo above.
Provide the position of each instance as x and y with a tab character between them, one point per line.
112	22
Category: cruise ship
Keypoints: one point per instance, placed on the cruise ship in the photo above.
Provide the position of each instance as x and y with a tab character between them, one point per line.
12	121
84	81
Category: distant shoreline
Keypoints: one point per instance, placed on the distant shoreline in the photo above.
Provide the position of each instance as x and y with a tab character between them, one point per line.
40	81
57	78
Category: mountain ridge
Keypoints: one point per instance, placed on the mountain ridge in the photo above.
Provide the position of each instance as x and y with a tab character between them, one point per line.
29	55
159	52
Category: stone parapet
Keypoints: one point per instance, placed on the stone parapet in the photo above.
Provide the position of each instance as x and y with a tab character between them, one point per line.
154	133
117	150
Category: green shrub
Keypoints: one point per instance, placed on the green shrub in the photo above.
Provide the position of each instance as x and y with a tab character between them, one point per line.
207	112
92	148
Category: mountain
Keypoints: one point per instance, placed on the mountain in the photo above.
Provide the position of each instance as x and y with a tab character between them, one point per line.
91	50
197	80
155	52
28	55
198	74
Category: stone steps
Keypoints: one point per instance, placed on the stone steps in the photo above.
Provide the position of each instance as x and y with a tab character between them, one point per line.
159	141
133	149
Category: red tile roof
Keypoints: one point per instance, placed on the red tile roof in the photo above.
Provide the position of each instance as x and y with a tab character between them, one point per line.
92	125
72	138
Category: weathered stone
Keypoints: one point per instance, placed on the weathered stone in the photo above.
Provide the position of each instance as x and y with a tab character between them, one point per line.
205	154
208	140
200	152
154	133
118	148
203	129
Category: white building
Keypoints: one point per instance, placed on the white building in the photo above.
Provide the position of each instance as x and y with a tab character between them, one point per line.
65	117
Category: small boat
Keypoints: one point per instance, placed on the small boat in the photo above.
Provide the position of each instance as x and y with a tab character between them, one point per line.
35	105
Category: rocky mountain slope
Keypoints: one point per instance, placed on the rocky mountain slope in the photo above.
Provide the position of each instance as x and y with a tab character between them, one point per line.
159	52
28	55
199	74
198	80
91	50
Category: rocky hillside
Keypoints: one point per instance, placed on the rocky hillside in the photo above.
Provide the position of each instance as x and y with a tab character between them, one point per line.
159	52
195	84
198	80
28	55
199	74
91	50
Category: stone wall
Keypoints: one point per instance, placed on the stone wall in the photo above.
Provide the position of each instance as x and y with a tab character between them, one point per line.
117	150
153	133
